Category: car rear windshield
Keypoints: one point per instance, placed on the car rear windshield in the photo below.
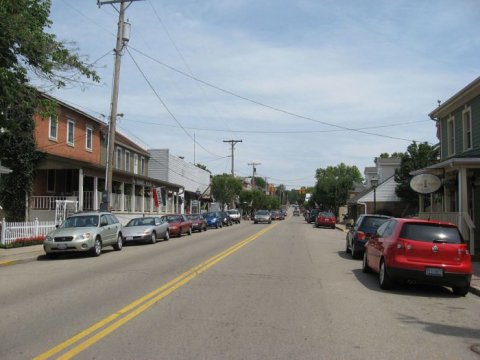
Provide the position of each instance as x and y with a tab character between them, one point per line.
431	233
326	214
371	223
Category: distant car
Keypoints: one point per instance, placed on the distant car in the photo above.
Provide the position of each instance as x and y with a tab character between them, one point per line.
146	229
85	232
312	215
178	224
296	212
234	215
262	216
422	251
226	220
358	235
326	219
213	219
277	215
198	222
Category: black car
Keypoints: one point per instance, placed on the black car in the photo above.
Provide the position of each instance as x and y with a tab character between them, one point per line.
226	219
365	226
312	215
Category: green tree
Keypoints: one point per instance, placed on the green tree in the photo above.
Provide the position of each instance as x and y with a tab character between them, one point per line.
225	188
27	51
203	167
333	185
416	157
260	182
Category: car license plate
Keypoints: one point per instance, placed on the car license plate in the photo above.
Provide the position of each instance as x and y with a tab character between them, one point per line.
434	272
61	246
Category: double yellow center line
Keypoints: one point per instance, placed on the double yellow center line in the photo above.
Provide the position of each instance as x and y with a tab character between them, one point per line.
121	317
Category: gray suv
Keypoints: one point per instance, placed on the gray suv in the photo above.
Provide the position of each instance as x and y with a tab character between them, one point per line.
85	232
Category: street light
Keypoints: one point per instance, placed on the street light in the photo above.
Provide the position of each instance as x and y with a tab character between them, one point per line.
374	183
199	193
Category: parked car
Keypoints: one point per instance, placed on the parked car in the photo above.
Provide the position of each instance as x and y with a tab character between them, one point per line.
235	215
296	212
213	219
178	224
198	222
85	232
420	251
146	229
262	216
226	220
326	219
312	215
277	215
357	236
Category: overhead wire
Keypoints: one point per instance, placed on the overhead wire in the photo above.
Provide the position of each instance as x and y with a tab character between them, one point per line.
259	103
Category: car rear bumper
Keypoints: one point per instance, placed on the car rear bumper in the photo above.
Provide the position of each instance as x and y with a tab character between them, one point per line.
447	279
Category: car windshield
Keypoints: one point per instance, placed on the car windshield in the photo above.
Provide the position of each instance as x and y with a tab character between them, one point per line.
210	215
233	211
81	221
174	218
141	222
327	214
431	233
262	212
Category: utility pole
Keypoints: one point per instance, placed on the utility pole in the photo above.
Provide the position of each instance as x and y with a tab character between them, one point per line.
253	164
232	143
123	34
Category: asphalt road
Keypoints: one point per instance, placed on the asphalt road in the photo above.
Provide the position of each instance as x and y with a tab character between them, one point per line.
282	291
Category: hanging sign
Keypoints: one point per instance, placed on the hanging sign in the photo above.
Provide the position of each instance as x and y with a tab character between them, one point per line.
425	183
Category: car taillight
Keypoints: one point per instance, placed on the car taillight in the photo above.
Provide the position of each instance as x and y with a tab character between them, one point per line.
462	251
361	235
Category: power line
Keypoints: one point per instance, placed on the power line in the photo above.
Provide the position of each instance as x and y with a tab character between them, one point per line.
259	103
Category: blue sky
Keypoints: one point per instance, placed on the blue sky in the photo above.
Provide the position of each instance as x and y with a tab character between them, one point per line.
297	77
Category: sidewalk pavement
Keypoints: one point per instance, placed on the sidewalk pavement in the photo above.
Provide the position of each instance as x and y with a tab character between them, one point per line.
31	253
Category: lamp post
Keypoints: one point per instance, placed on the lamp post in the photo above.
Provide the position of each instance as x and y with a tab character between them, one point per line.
198	193
374	183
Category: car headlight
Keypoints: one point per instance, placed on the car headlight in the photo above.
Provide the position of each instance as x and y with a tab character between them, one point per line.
147	232
48	238
84	236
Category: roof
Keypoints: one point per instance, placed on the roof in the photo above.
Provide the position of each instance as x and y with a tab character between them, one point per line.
456	162
465	95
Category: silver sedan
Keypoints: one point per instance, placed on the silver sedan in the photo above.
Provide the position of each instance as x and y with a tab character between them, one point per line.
146	229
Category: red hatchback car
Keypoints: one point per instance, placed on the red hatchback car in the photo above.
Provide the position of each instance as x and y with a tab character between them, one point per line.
419	251
178	224
326	219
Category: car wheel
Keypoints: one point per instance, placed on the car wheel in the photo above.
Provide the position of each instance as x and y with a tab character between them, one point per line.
461	290
383	278
365	268
51	256
119	244
255	222
167	236
353	251
189	231
153	240
96	250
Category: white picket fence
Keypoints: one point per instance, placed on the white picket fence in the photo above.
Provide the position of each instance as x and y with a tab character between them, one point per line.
12	231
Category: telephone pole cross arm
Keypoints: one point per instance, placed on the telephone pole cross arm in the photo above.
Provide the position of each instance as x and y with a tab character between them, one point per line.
254	170
232	143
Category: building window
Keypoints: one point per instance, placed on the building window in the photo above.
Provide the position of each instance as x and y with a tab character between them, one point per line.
467	129
51	181
118	158
450	136
71	132
127	160
52	128
135	163
142	166
89	139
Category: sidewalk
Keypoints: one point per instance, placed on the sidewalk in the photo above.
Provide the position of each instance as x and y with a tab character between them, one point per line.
31	253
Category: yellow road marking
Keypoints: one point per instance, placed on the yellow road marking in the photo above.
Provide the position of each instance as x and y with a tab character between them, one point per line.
7	263
140	305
